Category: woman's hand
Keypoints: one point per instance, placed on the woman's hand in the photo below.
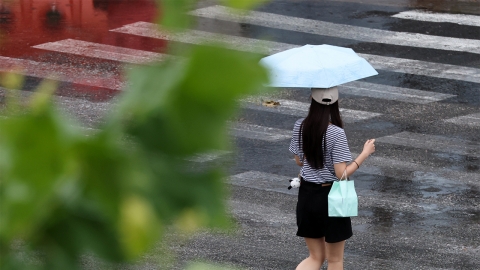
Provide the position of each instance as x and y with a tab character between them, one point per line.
369	147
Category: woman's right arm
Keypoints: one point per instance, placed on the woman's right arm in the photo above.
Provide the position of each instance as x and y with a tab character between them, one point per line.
368	149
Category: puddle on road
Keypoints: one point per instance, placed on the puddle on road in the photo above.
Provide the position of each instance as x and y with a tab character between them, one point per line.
411	184
460	162
431	216
432	185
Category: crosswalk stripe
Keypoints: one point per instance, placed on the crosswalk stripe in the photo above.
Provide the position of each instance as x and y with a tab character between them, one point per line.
205	157
388	92
417	67
87	112
61	72
152	30
420	15
469	120
340	30
437	70
96	50
256	132
263	181
297	108
433	142
380	165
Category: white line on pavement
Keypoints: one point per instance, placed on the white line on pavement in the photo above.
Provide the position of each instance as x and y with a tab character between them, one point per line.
200	158
381	91
380	165
401	65
263	181
433	142
469	120
101	79
426	16
340	30
96	50
256	132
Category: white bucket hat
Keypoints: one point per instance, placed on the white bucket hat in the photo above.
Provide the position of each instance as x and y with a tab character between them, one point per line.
325	96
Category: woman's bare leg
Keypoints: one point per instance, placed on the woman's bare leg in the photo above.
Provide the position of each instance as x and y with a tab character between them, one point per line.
334	253
316	247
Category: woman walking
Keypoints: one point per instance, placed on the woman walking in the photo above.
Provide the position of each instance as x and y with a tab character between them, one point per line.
321	149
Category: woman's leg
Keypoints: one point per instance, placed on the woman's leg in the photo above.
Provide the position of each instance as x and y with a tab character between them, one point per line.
316	247
334	253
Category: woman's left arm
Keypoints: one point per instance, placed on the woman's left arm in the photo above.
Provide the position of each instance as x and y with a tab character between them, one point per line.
340	168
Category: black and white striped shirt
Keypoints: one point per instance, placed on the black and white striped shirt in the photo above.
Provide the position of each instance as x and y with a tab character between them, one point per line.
337	152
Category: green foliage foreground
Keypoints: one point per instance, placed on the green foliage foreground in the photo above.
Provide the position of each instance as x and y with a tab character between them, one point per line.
65	191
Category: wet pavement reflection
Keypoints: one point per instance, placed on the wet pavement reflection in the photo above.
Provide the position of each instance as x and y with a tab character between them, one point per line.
27	23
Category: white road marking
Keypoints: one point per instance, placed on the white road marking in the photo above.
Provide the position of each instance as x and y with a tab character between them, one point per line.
380	165
200	158
426	16
96	50
101	79
83	111
263	181
401	65
340	30
152	30
433	142
297	108
387	92
469	120
260	132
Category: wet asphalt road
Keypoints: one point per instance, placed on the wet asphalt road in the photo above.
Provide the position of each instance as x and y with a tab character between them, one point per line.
419	194
413	214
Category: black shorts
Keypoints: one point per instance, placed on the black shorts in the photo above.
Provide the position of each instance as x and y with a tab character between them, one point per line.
312	215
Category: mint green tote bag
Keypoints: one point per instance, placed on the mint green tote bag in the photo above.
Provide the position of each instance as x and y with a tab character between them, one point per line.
342	198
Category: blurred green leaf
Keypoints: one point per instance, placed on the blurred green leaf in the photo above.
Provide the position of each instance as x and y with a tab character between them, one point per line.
34	158
138	226
12	80
191	109
174	13
243	4
42	96
205	266
65	192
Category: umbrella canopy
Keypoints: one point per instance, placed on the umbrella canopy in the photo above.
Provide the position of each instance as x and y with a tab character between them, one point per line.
316	66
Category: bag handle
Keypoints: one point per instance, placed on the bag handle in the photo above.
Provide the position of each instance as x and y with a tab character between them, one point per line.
344	175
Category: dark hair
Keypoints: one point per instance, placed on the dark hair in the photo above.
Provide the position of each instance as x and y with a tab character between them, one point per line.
313	130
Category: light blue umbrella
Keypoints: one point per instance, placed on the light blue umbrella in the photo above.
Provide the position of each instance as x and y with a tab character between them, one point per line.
316	66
